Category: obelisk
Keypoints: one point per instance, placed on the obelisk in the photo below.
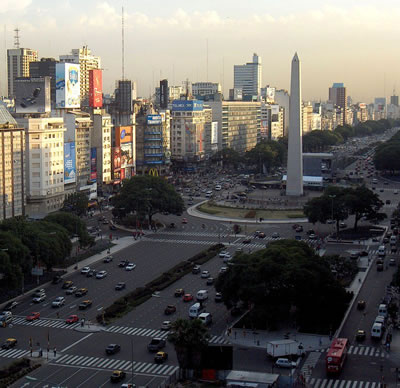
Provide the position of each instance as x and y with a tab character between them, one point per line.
294	182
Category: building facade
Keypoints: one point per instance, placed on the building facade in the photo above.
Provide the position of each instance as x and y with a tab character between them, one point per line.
12	166
338	97
18	60
46	67
248	78
44	164
207	91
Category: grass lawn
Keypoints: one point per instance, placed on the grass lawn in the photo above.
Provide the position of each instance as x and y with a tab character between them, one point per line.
229	212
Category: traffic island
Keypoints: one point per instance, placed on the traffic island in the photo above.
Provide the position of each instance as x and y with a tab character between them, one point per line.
89	327
16	370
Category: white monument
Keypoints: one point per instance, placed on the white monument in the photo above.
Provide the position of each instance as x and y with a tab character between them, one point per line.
294	181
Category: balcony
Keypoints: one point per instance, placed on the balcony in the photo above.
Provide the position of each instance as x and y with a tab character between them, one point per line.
153	155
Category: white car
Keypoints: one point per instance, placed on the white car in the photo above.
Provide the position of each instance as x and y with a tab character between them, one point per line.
130	267
71	290
85	270
223	269
101	274
227	259
58	302
224	254
166	325
39	298
285	363
205	274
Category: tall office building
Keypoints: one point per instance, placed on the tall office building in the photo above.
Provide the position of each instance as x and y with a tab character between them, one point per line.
87	62
248	78
338	97
46	67
394	100
18	60
12	166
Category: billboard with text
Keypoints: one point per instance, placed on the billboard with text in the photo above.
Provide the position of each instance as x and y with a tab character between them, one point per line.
95	88
68	92
93	164
69	163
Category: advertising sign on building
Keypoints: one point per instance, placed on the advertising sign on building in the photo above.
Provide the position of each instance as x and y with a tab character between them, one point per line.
187	105
69	163
123	135
214	132
154	119
32	95
95	88
93	164
116	158
126	155
68	94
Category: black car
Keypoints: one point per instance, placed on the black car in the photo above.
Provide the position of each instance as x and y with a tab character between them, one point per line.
113	348
91	273
123	263
156	344
120	286
56	279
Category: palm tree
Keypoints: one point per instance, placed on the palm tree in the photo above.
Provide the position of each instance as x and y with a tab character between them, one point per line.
189	337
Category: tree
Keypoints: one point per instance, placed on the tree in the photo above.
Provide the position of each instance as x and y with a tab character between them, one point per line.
227	156
266	154
76	203
11	274
285	281
189	337
147	195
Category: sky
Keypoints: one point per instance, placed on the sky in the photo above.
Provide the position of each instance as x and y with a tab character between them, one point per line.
350	41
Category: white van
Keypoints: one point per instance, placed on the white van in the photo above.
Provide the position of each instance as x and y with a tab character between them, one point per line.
202	295
206	318
381	320
377	331
382	251
382	310
209	194
195	310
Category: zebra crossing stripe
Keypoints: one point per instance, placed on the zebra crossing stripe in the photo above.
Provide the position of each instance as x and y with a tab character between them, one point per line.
329	384
348	384
77	360
87	361
96	359
147	368
164	368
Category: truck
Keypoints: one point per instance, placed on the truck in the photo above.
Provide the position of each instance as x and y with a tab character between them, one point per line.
282	348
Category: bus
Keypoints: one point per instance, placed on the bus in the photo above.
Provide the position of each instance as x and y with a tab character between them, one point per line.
336	355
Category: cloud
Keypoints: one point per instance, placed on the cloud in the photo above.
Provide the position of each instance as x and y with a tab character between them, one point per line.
14	5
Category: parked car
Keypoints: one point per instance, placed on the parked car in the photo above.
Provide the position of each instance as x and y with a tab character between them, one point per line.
196	269
275	235
361	305
285	363
91	273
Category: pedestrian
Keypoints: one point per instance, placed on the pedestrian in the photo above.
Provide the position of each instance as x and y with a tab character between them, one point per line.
55	352
320	342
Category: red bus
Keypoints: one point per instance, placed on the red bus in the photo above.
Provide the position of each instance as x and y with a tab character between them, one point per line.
336	355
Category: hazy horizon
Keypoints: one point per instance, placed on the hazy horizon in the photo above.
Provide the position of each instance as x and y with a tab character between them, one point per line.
337	41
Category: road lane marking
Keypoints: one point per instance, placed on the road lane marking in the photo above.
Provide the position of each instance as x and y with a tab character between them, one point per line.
76	342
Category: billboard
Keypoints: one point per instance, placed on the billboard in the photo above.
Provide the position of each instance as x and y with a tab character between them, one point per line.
116	159
95	88
154	119
214	132
32	95
69	163
123	135
68	93
126	155
93	164
187	105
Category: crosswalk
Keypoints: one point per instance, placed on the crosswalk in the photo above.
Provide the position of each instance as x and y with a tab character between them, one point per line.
156	333
13	353
330	383
54	323
223	234
363	351
113	364
309	364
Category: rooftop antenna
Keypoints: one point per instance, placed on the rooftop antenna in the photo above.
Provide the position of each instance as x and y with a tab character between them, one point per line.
207	60
16	38
123	46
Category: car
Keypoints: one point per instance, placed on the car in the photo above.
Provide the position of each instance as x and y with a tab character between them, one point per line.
108	259
285	363
299	229
38	293
91	273
388	202
123	263
246	241
179	292
381	190
396	192
393	249
11	305
81	292
275	235
71	290
261	235
360	335
187	297
224	254
239	249
205	274
385	240
67	284
379	267
117	376
85	304
196	269
72	319
105	222
218	297
295	226
113	348
40	298
330	222
56	279
361	305
312	236
363	253
130	267
170	309
342	225
166	325
33	316
223	269
120	286
85	270
156	344
160	357
101	274
58	302
9	343
184	221
310	231
392	261
210	281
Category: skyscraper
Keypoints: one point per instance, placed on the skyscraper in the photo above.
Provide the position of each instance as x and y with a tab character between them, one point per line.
248	78
294	182
337	95
18	60
87	62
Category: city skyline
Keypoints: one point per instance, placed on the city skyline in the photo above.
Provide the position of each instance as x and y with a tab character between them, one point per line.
165	40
